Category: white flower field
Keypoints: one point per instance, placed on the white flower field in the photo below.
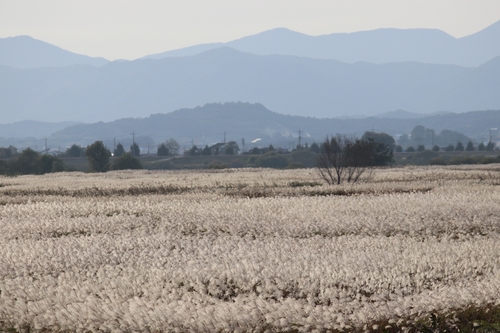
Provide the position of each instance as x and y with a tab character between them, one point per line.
250	250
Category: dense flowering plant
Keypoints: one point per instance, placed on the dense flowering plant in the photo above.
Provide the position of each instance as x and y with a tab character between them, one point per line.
247	250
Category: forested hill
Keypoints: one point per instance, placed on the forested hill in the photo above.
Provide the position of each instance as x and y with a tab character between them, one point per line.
207	124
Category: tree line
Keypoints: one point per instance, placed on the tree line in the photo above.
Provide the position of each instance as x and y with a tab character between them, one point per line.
338	158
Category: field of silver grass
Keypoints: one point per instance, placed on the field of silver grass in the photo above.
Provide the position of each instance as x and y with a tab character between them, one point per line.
250	250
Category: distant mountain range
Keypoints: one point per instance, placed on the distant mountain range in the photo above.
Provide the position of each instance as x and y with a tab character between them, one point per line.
289	72
376	46
285	84
26	52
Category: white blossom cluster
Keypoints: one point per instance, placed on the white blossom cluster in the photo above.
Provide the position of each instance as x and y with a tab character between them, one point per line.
207	260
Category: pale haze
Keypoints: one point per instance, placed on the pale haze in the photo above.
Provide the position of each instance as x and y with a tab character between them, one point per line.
129	29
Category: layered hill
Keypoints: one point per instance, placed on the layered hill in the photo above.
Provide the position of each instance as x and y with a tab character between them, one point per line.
27	52
285	84
375	46
209	124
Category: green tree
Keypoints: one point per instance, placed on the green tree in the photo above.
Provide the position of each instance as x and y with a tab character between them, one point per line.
381	137
399	149
162	150
173	146
447	137
75	151
420	148
194	151
231	148
436	148
470	146
254	151
119	151
404	140
481	147
135	150
4	168
126	162
490	146
418	134
450	147
98	157
25	163
315	148
459	146
271	147
58	166
8	152
48	163
206	151
410	149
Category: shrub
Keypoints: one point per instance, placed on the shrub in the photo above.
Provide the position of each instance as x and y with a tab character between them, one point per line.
437	161
126	162
424	157
304	158
217	166
272	160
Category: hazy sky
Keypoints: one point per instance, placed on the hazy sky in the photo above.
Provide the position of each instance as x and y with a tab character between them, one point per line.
130	29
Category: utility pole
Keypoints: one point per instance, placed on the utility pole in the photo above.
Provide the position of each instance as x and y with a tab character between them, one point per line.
114	144
491	136
300	138
133	137
243	144
224	137
45	145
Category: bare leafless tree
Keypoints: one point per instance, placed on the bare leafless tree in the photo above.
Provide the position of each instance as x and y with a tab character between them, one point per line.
332	159
344	158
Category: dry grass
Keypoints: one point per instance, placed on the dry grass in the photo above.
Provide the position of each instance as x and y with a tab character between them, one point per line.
411	249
